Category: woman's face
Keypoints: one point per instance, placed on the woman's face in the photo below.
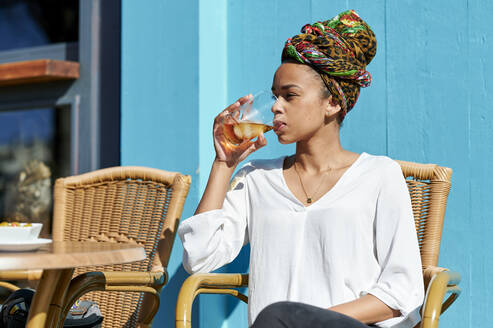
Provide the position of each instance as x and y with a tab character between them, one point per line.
301	110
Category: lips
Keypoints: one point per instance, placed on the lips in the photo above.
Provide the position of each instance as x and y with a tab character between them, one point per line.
278	125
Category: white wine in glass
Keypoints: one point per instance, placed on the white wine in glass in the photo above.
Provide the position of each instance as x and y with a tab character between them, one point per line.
236	132
251	119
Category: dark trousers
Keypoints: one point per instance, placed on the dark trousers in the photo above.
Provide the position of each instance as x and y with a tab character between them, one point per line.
299	315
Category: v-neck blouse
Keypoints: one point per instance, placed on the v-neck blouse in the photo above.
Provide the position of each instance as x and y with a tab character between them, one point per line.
339	181
359	238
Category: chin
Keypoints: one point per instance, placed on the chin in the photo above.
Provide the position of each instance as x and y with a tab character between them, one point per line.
284	141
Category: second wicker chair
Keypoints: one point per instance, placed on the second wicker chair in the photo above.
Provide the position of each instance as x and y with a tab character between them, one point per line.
122	204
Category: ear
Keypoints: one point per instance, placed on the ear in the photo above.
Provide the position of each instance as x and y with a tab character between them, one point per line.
332	107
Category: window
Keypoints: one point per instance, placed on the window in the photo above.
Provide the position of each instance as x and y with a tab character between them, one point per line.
56	124
34	149
30	23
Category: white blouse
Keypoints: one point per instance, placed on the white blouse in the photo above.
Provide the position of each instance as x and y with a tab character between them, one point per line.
359	238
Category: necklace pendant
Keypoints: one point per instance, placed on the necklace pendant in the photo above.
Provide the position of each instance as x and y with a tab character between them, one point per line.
309	200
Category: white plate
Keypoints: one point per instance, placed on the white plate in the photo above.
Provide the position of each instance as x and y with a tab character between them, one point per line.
23	245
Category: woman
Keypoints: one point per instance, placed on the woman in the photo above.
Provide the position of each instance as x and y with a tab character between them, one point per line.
331	232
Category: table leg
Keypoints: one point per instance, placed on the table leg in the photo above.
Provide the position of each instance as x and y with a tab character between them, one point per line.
45	306
58	300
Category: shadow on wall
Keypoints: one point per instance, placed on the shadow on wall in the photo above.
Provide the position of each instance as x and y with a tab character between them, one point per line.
166	315
239	265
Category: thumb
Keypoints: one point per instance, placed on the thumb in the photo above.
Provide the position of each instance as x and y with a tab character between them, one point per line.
261	141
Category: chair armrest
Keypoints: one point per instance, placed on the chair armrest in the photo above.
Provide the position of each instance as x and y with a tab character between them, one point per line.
152	279
206	283
429	272
441	282
146	282
30	275
9	286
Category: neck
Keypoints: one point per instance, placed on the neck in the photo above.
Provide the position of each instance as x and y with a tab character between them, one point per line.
321	152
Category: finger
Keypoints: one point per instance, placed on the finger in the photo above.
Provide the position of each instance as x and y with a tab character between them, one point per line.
244	145
248	150
250	98
237	103
261	141
254	147
242	150
225	118
245	99
236	115
220	117
233	106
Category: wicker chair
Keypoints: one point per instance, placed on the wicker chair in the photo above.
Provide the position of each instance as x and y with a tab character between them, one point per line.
429	187
120	204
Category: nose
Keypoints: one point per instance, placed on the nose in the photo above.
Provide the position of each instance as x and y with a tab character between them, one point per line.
276	108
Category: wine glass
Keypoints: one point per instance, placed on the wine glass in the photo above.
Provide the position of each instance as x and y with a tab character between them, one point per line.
250	119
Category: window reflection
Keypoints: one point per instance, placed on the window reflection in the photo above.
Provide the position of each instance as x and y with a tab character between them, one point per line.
34	151
30	23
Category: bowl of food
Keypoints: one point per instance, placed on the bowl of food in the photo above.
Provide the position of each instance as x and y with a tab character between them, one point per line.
15	231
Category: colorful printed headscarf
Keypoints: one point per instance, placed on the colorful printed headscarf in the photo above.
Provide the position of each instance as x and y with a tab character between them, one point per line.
339	50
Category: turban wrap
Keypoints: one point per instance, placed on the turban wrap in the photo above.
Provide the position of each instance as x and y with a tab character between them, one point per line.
339	50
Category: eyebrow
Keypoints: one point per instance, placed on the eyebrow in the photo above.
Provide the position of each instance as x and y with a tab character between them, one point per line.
287	86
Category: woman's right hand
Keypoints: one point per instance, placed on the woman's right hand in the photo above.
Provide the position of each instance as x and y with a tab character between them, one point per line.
226	152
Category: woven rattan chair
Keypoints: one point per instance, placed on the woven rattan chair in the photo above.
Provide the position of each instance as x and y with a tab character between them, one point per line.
122	205
429	187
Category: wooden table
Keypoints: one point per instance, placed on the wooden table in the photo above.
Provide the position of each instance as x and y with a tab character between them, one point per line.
58	260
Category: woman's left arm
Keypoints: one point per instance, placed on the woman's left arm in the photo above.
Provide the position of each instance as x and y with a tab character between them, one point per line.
399	289
367	309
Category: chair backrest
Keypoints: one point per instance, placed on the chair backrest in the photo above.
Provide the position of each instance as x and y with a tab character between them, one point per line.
429	186
121	204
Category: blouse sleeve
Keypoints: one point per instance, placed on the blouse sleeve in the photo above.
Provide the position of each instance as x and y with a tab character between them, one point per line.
400	284
214	238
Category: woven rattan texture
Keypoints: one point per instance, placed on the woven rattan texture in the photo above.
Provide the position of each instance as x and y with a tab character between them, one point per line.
429	186
132	211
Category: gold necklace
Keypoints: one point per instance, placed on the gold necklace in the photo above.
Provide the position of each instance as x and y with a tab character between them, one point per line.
309	199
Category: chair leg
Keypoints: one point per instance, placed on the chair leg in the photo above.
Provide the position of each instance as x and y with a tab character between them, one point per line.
150	306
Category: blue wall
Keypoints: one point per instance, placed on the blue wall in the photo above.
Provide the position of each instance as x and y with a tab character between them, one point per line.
430	101
160	121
